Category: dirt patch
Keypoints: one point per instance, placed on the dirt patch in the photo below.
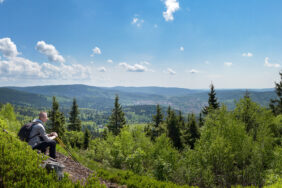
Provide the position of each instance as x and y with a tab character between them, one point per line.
78	172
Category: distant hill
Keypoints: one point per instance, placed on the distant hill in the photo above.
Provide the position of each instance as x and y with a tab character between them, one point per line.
22	98
102	98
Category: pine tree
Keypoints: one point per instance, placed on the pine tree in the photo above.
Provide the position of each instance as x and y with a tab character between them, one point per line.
57	119
156	129
75	123
212	103
173	129
276	104
86	139
117	119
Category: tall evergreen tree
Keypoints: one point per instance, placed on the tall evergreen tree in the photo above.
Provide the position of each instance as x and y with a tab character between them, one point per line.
57	119
212	103
192	131
117	119
276	104
75	123
156	129
201	120
173	128
86	139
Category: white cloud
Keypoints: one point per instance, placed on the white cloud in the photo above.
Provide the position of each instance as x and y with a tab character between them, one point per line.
136	21
96	50
267	64
227	64
102	69
181	48
133	68
170	71
8	48
171	7
207	62
156	26
248	54
110	61
50	51
1	1
21	68
193	71
144	63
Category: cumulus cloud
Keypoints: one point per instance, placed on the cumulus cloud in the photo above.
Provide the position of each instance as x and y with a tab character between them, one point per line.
193	71
110	61
136	21
248	54
227	64
267	64
133	68
170	71
21	68
171	7
50	51
8	48
102	69
96	50
181	48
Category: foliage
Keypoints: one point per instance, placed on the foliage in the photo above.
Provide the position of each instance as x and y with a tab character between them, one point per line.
20	166
212	103
117	120
74	121
74	139
57	119
173	129
226	155
86	139
190	132
276	104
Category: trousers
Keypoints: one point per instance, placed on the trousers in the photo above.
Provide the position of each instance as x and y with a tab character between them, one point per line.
44	145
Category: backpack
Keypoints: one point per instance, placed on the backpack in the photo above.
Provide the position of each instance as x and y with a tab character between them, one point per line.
25	131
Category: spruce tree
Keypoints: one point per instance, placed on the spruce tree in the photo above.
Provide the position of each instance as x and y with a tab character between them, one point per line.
156	128
117	119
86	139
75	123
192	132
57	119
201	120
173	129
212	103
276	104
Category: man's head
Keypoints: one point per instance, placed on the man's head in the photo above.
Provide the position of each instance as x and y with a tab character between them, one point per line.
43	116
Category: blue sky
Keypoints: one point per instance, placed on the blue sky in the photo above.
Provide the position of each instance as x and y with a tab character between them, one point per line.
171	43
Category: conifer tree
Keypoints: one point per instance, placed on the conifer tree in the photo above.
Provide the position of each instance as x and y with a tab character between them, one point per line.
173	128
192	132
86	139
57	119
201	120
156	129
212	103
117	119
276	104
75	123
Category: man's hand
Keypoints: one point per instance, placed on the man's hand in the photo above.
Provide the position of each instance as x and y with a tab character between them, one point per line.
53	135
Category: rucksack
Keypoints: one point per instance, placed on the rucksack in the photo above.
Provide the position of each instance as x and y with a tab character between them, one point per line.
26	130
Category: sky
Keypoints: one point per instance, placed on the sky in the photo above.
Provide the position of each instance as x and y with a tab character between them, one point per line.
167	43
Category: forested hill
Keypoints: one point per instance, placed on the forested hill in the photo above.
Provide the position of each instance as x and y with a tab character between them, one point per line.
101	98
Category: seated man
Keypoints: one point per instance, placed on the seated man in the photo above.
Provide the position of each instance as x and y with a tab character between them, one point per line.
39	139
